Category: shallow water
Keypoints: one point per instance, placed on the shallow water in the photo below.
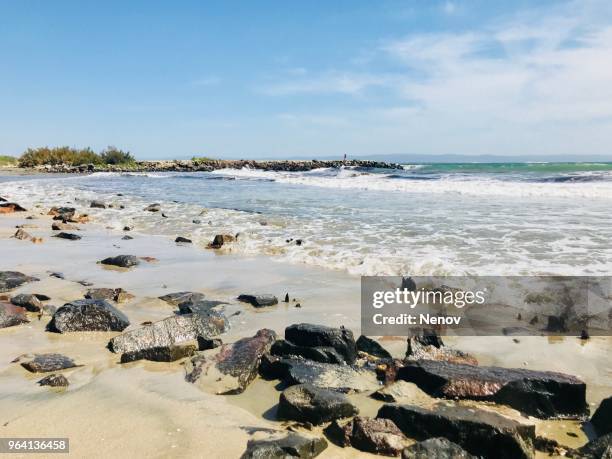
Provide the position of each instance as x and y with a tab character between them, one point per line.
436	219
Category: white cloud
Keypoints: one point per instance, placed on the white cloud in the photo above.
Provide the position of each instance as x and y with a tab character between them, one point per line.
538	82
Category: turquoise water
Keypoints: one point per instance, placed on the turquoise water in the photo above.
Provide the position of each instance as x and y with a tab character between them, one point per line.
487	219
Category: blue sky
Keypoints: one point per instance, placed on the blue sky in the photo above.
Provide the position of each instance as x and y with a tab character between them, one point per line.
318	78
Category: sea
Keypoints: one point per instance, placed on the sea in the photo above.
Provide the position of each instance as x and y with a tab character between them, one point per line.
425	219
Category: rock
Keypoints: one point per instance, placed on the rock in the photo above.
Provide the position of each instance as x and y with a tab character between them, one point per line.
397	392
419	349
232	368
285	446
115	294
284	348
42	297
220	240
10	280
258	301
97	205
122	261
481	433
69	236
48	309
369	346
25	236
11	315
88	315
600	448
342	378
43	363
286	298
196	221
198	307
127	238
153	207
311	335
30	302
57	275
541	394
64	214
54	381
10	207
308	403
160	354
548	445
168	331
127	228
602	419
182	240
59	226
205	344
181	297
439	448
584	335
377	436
408	284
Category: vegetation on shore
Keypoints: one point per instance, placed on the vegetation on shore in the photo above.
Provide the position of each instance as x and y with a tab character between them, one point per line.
7	161
74	157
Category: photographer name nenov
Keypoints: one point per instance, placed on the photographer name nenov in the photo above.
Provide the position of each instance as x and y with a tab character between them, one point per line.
415	319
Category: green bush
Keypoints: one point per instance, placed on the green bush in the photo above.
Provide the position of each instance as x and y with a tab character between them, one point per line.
73	156
113	155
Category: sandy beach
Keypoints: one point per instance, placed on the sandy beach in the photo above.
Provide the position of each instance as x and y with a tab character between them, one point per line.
147	408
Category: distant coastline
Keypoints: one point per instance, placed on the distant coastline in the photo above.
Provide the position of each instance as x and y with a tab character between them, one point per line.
207	165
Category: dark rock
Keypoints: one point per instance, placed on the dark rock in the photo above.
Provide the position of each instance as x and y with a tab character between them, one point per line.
63	213
160	354
42	297
198	307
85	283
123	261
538	393
584	335
10	207
30	302
181	297
299	242
408	284
13	279
88	315
387	369
220	240
286	298
205	344
258	301
284	348
377	436
311	335
372	347
298	305
548	445
54	381
285	446
69	236
169	331
600	448
43	363
11	315
127	238
419	349
556	324
233	367
97	205
115	294
57	275
342	378
127	228
481	433
182	240
153	207
196	221
439	448
602	419
270	367
308	403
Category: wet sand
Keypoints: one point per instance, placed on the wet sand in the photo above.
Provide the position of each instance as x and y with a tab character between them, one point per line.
147	408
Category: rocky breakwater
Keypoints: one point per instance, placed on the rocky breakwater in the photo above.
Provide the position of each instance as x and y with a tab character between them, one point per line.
207	165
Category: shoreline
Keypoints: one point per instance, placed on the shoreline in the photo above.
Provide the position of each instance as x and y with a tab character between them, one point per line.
176	418
208	165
